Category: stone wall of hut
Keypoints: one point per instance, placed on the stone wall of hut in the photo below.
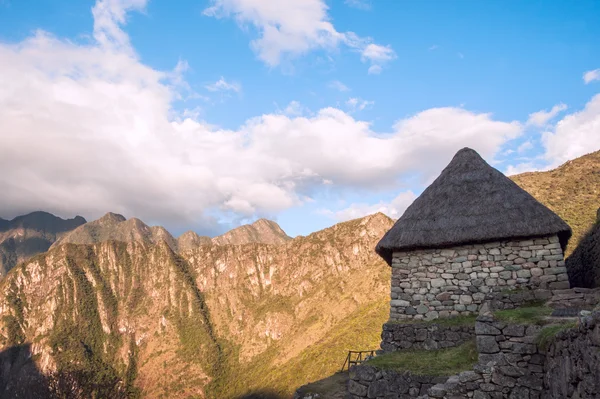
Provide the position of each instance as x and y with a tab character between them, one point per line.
432	283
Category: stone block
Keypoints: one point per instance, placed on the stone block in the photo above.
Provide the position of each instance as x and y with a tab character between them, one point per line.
487	344
377	389
559	285
357	389
555	270
438	282
525	273
514	330
482	328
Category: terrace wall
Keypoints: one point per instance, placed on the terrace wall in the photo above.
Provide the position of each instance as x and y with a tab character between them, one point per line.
396	336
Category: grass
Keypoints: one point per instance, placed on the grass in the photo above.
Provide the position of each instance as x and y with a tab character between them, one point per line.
524	315
546	336
328	387
441	362
361	330
571	190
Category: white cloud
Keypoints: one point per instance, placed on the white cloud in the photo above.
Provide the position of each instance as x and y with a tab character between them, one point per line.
434	47
590	76
460	55
574	135
293	28
294	108
358	104
109	16
223	85
541	118
521	168
339	86
394	209
89	128
378	54
359	4
528	145
375	70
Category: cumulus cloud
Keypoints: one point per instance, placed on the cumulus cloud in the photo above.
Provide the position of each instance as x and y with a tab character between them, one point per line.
359	4
526	146
574	135
394	209
590	76
358	104
223	85
541	118
339	86
109	16
89	128
295	27
521	168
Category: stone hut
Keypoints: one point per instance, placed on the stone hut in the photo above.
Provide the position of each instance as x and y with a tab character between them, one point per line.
472	233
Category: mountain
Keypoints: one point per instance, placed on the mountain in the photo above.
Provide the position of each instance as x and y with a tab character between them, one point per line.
28	235
572	191
262	231
213	322
115	227
583	265
100	315
132	312
190	240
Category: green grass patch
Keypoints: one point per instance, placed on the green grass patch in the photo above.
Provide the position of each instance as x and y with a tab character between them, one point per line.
328	387
441	362
547	334
524	315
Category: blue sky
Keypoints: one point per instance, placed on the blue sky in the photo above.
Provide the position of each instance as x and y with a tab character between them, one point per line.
206	114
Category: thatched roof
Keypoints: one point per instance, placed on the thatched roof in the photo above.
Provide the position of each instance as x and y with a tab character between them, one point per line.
470	202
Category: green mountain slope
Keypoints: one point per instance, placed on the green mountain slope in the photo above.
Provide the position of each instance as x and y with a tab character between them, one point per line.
572	191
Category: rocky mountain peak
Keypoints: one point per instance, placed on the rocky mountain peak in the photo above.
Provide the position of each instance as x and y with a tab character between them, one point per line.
111	218
262	231
190	240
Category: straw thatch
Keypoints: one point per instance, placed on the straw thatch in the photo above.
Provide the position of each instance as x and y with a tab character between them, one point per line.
583	266
470	202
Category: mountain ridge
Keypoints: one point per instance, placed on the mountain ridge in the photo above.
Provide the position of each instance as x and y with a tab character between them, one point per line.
27	235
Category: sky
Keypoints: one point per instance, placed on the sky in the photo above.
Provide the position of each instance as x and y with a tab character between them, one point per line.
204	115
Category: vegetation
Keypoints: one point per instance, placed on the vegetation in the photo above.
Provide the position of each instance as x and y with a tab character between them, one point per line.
332	387
547	334
524	315
323	358
572	191
441	362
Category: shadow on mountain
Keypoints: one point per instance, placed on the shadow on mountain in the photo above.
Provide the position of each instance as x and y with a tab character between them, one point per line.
19	376
262	395
583	266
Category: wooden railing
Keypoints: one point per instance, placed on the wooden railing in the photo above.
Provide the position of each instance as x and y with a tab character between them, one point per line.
357	357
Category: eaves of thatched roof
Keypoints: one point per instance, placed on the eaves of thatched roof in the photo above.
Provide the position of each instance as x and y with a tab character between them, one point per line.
470	202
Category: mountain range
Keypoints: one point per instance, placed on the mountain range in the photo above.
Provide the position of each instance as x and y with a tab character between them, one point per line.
123	309
25	236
